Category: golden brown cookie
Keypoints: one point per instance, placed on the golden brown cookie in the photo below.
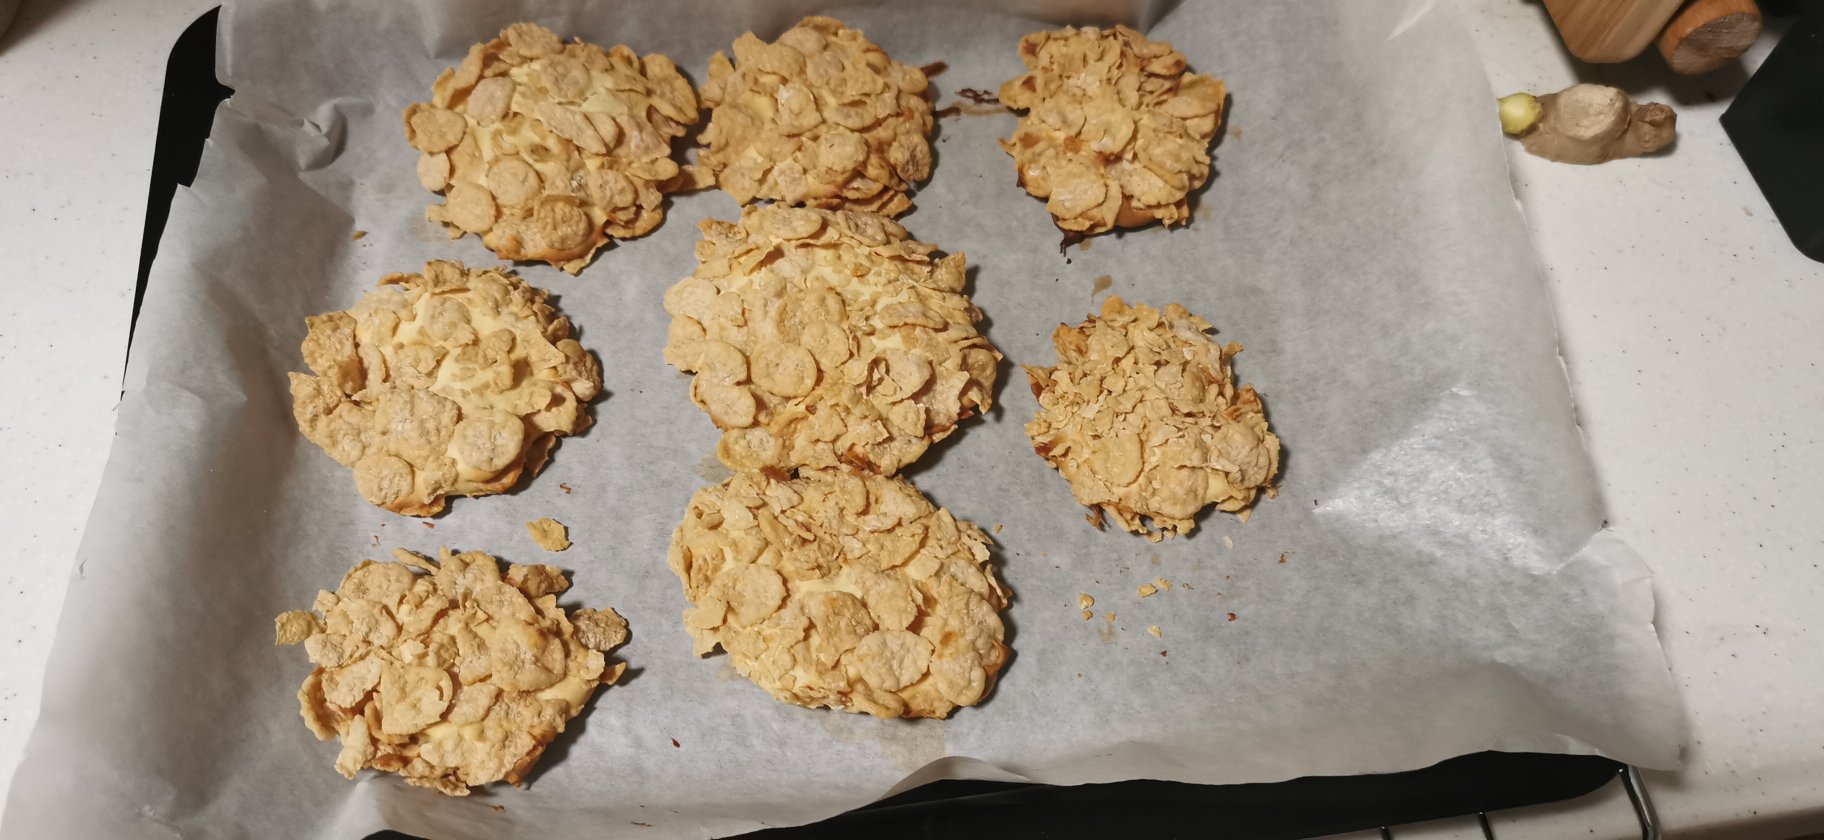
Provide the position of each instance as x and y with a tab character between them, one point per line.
842	589
454	382
820	117
1116	133
451	679
824	337
1143	417
548	150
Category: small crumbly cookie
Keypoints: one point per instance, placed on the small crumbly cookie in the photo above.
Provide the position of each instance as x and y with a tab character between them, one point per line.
451	679
842	589
1116	133
821	117
548	150
454	382
823	337
1143	417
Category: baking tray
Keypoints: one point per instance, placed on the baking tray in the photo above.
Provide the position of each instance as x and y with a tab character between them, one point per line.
1307	807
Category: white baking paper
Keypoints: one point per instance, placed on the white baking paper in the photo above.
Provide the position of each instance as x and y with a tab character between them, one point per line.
1431	580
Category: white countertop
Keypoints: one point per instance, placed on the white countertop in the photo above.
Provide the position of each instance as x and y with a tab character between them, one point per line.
1689	329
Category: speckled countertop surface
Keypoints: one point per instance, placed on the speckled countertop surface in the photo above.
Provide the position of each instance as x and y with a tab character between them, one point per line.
1689	329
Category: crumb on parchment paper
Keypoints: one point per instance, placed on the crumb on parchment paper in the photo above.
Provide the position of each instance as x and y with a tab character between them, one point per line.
550	534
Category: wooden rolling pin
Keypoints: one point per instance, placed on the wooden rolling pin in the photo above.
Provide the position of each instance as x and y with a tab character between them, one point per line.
1605	31
1707	34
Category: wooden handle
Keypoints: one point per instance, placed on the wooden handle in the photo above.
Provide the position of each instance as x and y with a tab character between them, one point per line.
1605	31
1707	34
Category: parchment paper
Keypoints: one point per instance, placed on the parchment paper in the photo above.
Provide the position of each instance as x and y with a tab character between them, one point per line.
1430	581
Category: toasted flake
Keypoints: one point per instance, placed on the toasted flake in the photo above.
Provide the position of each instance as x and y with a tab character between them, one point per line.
842	589
821	117
1146	590
1138	373
1155	631
820	338
431	129
452	678
294	627
1116	133
1089	614
452	382
602	630
1085	601
548	150
550	534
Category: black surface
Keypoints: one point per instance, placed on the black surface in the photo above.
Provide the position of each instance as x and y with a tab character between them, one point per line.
956	809
184	116
1777	125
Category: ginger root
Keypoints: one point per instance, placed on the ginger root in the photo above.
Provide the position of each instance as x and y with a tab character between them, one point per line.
1587	124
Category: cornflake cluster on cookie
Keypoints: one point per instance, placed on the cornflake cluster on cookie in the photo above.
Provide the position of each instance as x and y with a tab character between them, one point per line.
451	679
548	150
820	117
454	382
1143	417
842	589
1116	134
825	337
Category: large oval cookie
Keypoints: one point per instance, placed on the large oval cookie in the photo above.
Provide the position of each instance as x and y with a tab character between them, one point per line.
844	590
548	150
1142	415
1116	133
820	117
825	337
456	381
454	678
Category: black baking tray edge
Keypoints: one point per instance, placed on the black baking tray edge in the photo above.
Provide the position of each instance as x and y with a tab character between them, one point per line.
1306	807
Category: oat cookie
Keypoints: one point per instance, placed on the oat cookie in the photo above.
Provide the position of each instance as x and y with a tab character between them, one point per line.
1116	133
451	679
1143	417
820	117
548	150
824	337
454	382
842	589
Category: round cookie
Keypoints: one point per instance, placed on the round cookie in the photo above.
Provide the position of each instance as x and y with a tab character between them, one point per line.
548	150
451	679
1143	417
454	382
844	590
824	337
820	117
1116	133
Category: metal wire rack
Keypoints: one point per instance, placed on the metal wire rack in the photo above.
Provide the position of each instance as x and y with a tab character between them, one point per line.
1631	782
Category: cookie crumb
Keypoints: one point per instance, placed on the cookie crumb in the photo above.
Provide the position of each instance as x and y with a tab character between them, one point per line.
1089	614
1154	630
359	235
1146	590
1231	616
1227	541
550	534
564	487
1084	601
1162	583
